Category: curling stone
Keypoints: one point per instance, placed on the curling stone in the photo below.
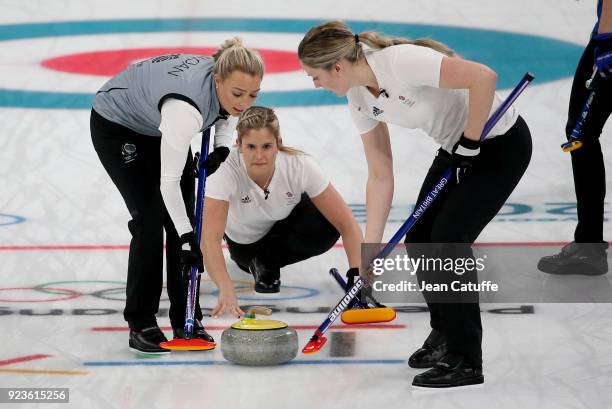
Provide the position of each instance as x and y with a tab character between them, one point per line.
256	342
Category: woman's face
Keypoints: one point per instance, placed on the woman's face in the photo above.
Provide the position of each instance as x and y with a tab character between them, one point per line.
237	91
259	150
334	80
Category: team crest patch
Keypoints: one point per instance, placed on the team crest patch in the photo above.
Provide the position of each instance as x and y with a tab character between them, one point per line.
128	152
407	101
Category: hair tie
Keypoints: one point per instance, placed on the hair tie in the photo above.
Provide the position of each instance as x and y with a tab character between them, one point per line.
356	38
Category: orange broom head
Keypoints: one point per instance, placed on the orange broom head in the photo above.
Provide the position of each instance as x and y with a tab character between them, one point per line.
193	344
368	315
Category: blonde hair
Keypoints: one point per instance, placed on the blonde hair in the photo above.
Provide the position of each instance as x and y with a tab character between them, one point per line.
326	44
234	56
257	117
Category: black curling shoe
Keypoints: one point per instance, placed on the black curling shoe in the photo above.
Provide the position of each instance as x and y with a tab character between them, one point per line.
577	258
147	340
198	332
449	372
433	349
267	280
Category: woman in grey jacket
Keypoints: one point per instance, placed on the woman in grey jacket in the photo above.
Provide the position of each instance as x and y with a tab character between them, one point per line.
142	124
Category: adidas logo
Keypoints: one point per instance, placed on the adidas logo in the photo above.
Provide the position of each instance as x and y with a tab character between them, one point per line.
377	111
245	199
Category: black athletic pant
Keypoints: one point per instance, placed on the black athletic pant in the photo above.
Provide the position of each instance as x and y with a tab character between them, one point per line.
587	162
303	234
460	213
132	161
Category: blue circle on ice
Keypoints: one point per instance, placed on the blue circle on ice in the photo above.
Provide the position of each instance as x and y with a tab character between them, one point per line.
9	219
510	54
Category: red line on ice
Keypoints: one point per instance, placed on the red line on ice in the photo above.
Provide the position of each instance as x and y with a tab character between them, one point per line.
23	359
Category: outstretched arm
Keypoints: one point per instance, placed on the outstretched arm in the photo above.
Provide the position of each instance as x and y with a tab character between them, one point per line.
213	227
336	211
180	122
380	185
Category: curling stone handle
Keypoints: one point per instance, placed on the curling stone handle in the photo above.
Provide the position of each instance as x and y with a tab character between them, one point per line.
259	310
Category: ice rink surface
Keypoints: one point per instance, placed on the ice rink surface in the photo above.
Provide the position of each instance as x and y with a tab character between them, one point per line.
63	235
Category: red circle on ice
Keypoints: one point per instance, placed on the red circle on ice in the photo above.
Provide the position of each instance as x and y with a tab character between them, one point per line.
110	62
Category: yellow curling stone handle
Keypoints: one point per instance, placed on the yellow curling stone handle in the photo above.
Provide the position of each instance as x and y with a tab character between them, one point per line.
249	322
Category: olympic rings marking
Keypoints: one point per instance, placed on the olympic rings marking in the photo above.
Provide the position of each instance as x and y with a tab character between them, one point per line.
241	286
44	288
103	294
70	294
118	290
310	292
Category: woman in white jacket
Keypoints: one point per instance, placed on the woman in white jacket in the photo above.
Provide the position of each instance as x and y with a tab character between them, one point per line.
423	84
274	207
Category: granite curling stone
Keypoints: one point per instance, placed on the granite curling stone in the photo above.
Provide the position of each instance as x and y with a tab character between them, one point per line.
256	342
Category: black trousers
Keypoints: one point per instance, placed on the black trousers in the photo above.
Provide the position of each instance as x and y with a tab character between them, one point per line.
303	234
133	163
587	162
460	213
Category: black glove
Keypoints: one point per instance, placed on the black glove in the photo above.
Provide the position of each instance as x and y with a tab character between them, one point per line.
603	54
215	159
465	154
191	255
351	274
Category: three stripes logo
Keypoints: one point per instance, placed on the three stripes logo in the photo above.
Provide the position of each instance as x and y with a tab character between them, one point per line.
377	111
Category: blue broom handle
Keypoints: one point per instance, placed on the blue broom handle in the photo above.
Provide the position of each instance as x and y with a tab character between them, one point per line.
199	216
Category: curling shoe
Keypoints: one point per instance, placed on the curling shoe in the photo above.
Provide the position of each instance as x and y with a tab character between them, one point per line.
147	340
432	350
267	280
449	372
198	332
577	258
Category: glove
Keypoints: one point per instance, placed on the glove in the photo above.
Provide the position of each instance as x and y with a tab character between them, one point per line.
191	255
603	54
366	292
350	276
465	154
215	159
